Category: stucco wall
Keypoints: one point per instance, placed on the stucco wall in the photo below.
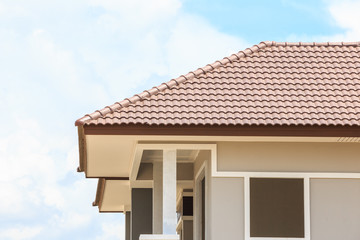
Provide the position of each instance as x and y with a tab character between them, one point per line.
334	203
291	157
184	171
335	209
201	158
227	208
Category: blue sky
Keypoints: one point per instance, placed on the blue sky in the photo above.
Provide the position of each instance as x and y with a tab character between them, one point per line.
61	59
261	20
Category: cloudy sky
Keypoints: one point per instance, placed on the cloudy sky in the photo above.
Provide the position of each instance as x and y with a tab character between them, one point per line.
61	59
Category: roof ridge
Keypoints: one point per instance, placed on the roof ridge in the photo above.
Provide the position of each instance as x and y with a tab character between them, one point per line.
209	67
316	43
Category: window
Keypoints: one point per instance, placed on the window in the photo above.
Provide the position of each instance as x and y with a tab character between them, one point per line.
277	207
187	206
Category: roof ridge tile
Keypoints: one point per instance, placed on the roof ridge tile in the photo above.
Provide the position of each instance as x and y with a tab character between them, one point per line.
356	44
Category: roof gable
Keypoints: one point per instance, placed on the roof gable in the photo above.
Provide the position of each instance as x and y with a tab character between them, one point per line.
268	84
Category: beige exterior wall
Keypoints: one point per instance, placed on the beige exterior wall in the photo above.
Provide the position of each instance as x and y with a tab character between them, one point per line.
335	209
334	203
199	161
185	171
227	208
288	157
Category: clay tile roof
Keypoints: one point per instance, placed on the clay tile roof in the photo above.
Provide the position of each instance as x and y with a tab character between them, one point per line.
270	83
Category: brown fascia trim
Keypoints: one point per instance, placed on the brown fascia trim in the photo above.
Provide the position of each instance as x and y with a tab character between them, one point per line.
217	130
82	150
99	192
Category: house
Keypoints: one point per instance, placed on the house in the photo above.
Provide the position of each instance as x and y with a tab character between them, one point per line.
261	145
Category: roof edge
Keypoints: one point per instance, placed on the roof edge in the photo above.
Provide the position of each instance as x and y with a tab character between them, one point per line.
209	67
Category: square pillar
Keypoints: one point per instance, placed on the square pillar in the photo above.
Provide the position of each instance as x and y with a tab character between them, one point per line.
169	191
158	198
168	197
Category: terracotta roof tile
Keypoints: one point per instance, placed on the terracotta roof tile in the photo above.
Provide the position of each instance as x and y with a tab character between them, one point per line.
268	84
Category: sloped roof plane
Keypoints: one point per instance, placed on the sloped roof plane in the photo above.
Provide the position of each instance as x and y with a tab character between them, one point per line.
269	84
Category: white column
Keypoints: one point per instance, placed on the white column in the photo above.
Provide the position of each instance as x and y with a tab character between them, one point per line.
158	198
169	192
167	203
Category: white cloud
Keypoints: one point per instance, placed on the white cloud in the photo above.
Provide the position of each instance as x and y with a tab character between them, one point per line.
346	15
166	42
61	69
11	199
193	43
140	13
19	233
52	196
343	14
70	220
28	173
112	231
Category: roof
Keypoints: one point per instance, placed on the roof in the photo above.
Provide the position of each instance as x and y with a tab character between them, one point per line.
271	83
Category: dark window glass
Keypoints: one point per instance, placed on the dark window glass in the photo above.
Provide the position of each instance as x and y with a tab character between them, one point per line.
187	206
276	207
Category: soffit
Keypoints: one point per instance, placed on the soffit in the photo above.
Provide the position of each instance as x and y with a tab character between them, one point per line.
116	196
108	156
112	155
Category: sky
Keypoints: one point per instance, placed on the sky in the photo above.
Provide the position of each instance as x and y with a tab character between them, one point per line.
61	59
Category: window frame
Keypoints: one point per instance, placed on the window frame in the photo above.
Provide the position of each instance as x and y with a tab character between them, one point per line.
197	201
306	206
